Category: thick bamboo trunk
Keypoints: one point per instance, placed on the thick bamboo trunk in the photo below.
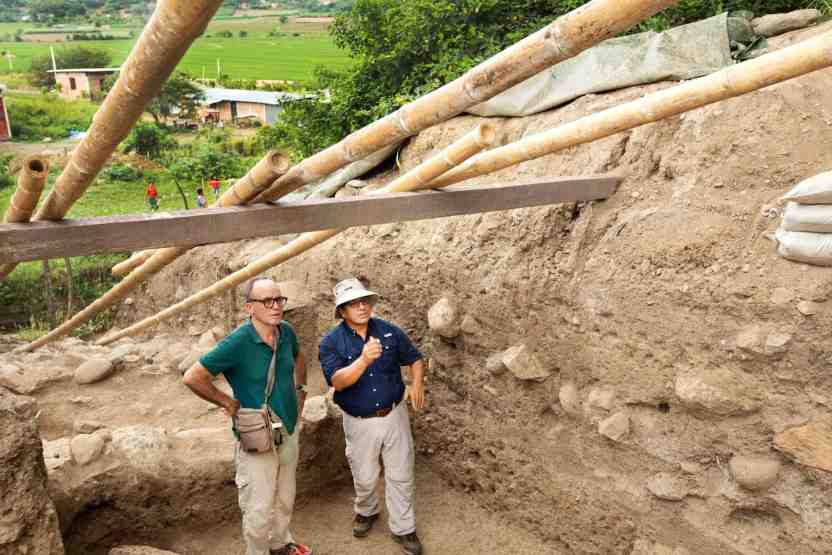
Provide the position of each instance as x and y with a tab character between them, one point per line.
414	180
778	66
30	184
264	173
564	38
175	24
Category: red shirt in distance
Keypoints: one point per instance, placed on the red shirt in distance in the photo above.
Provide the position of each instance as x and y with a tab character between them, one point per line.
151	191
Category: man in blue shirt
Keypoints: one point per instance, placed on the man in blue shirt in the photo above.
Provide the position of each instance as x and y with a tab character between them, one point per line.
362	359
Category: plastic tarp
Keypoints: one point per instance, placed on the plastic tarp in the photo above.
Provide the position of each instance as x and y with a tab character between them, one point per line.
684	52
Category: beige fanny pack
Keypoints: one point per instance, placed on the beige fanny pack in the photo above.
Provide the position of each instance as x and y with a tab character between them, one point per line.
260	430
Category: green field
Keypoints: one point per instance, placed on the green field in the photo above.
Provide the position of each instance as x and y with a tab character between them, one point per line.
257	57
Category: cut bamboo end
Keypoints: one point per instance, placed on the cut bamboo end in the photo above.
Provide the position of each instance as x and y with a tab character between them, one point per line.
30	183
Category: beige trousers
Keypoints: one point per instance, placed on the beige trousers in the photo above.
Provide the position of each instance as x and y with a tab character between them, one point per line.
266	492
389	437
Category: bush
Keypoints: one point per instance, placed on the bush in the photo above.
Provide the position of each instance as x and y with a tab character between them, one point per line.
6	180
149	140
122	172
36	117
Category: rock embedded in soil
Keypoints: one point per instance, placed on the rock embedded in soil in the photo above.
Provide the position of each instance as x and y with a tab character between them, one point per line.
443	318
777	343
809	445
668	487
86	448
118	354
601	397
808	308
718	392
494	364
523	364
754	473
569	399
616	427
93	370
139	550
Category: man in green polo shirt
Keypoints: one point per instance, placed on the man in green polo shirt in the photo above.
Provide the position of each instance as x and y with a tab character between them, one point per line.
265	481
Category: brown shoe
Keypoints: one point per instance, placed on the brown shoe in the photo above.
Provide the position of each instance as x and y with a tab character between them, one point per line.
361	525
410	543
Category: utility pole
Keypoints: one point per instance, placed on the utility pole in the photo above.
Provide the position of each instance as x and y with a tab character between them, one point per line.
54	64
219	73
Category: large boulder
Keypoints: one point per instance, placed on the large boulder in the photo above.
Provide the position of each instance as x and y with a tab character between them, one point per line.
443	318
28	521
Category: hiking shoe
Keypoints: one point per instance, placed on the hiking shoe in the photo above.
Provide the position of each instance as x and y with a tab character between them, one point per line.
361	525
291	549
410	543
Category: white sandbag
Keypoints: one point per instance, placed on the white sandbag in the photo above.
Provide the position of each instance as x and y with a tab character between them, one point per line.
801	246
807	217
814	190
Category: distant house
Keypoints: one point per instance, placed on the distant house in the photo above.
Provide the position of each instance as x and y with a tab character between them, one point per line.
232	105
5	124
82	83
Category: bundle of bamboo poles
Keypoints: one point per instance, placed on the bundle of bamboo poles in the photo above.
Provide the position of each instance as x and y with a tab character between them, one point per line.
416	179
175	24
30	182
788	63
258	178
564	38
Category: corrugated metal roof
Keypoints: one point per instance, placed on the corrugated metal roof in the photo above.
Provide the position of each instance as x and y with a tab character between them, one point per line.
213	96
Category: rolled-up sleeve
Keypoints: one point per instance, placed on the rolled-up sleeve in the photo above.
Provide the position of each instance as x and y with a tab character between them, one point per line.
331	360
408	353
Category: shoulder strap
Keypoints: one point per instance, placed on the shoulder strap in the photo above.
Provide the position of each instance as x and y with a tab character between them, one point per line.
271	379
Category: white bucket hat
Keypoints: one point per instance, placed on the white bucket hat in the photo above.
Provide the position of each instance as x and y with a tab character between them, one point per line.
348	290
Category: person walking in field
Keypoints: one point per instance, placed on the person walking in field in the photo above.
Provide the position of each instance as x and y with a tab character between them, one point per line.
200	199
215	186
262	362
362	359
152	196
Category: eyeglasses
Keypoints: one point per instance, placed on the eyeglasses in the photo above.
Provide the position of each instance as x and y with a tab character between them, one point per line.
359	302
270	302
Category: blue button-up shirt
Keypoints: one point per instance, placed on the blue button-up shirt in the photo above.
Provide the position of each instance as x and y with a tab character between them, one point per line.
381	384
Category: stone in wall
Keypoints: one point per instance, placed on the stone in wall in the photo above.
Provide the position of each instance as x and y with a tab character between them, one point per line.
28	521
810	445
716	392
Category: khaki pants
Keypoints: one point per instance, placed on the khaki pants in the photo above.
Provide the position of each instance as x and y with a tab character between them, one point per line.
389	437
266	492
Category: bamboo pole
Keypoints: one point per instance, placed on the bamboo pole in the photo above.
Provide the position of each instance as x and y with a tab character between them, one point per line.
264	172
564	38
30	183
802	58
175	24
414	180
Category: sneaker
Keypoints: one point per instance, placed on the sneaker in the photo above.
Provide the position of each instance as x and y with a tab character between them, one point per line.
410	543
361	525
291	549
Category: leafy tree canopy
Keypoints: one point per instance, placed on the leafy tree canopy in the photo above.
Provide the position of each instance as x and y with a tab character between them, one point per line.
71	57
179	96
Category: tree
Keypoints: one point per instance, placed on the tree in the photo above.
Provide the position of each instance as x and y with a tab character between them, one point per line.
66	58
243	34
284	19
179	96
149	140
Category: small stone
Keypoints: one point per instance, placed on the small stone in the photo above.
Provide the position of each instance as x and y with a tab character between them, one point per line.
616	427
192	358
117	355
808	308
810	444
569	400
781	296
777	343
494	364
442	318
93	370
689	467
754	473
749	339
490	390
86	448
523	364
207	340
716	392
667	486
469	325
602	398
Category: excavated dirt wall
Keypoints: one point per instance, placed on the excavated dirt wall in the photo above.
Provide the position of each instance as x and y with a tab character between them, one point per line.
686	407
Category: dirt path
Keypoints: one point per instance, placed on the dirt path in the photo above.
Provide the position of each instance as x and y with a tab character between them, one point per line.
449	523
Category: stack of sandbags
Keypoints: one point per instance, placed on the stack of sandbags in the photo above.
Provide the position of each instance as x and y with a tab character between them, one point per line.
805	235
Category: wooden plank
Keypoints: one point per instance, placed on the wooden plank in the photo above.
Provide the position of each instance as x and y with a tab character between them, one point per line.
39	240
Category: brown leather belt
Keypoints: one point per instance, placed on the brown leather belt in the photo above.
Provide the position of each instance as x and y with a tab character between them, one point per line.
382	412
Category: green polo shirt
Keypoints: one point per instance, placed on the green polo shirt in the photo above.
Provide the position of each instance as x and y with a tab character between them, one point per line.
243	358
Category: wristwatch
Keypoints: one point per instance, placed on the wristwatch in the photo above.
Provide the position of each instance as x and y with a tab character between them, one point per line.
301	387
